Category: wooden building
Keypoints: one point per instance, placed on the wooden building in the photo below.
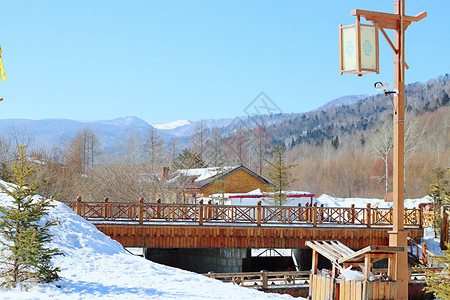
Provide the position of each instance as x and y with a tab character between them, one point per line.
207	181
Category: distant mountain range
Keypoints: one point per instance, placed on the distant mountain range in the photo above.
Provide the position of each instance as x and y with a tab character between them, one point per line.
345	100
51	132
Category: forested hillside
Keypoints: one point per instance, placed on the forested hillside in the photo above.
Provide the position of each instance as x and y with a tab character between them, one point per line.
343	150
347	151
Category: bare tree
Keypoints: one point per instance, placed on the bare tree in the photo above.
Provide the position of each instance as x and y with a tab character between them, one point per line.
20	136
215	153
154	147
382	147
83	150
133	148
198	139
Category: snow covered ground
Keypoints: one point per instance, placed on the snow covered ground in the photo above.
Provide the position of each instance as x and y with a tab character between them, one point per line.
96	267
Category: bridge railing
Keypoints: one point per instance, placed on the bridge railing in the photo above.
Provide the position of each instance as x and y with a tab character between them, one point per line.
263	279
258	215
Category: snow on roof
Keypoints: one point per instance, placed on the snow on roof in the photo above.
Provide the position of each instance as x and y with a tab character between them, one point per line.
204	173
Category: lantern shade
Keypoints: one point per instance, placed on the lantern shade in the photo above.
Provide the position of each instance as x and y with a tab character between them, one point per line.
358	49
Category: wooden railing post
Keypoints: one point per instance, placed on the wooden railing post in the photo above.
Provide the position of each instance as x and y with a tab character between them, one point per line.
158	209
79	206
424	253
368	214
321	213
106	211
200	212
264	279
420	215
141	211
352	220
209	211
299	212
445	211
314	214
307	213
258	214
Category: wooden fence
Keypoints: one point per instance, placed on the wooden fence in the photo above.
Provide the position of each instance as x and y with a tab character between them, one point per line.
263	279
258	215
425	256
266	279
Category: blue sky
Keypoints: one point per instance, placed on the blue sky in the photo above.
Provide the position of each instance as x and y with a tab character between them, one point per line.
168	60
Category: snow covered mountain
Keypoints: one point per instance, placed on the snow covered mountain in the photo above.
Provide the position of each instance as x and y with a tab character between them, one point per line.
171	125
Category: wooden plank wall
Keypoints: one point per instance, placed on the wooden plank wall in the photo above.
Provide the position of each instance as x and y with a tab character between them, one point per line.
185	236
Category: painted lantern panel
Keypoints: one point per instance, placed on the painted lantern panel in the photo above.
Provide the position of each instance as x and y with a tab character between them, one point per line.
359	49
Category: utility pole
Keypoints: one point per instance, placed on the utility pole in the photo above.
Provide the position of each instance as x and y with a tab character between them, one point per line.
398	22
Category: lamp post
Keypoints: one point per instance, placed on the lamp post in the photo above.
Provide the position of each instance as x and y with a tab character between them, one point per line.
398	22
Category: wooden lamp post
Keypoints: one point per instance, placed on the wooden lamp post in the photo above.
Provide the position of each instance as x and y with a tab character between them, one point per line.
398	22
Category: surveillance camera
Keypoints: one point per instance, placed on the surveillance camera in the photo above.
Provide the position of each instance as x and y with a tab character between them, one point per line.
382	86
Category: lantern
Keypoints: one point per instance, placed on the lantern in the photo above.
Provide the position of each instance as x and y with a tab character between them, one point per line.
358	49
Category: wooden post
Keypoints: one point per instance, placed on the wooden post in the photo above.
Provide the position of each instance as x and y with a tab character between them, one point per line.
314	215
264	279
258	214
424	253
141	211
444	226
79	206
106	210
158	209
353	214
368	213
420	215
321	213
200	212
307	213
208	211
315	259
398	236
299	212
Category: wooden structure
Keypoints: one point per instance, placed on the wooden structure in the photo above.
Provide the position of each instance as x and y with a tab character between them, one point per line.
296	284
445	226
329	286
207	181
201	225
259	215
399	22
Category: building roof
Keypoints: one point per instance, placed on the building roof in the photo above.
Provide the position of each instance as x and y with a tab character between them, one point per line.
204	177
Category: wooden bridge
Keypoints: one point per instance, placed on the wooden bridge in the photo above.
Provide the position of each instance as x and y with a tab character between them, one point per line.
161	225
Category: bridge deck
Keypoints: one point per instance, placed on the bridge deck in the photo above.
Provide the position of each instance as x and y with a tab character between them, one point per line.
219	236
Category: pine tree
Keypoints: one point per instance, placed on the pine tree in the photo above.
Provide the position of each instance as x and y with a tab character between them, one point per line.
189	159
439	195
24	256
278	175
439	281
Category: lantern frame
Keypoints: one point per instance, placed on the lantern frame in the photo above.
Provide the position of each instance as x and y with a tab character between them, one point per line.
358	69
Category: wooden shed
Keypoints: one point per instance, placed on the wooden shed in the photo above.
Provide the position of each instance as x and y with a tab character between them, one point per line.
329	285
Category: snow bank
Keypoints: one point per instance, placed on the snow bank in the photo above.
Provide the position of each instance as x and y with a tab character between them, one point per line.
97	267
330	201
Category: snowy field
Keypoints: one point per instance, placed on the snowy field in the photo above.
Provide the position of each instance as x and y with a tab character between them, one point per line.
96	267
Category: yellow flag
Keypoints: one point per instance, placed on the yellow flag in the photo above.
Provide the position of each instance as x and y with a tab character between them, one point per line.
2	69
